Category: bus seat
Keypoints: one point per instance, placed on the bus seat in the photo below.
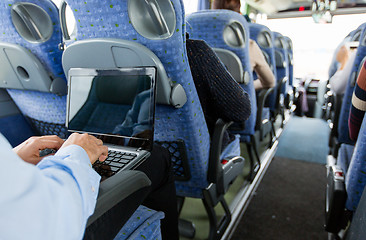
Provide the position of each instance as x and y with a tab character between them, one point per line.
144	224
343	135
225	29
357	230
282	71
291	91
30	38
355	176
344	156
264	38
334	65
228	30
159	28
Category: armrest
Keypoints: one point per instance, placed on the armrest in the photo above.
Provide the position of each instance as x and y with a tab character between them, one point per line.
215	171
116	188
261	99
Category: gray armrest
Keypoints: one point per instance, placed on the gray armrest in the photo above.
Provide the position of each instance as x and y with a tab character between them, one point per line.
116	188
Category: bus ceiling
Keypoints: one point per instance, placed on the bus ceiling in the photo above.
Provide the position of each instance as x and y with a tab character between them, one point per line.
322	11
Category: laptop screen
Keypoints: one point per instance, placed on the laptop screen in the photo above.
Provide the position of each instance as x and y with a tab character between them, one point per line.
116	105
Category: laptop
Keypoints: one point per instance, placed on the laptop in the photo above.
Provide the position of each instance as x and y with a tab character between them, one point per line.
118	107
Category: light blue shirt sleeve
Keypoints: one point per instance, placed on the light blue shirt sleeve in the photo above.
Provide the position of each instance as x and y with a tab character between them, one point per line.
52	200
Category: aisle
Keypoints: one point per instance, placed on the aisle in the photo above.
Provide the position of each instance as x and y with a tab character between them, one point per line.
304	139
288	205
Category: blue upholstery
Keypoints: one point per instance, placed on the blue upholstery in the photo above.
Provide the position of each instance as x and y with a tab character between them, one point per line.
186	123
334	65
281	71
345	153
290	60
209	25
144	224
255	30
15	129
343	135
44	109
356	174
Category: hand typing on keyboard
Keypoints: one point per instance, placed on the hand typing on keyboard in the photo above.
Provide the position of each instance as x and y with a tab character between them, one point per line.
94	147
29	150
35	148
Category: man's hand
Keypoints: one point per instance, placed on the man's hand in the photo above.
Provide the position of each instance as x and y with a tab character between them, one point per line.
29	150
94	147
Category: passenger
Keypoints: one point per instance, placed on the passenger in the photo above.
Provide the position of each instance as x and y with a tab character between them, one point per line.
220	95
50	190
339	80
266	78
50	197
358	107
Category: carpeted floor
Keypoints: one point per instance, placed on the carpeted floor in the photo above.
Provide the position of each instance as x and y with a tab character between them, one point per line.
304	139
288	204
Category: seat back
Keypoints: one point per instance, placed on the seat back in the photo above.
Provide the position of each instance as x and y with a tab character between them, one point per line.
343	135
228	30
31	62
356	177
265	40
334	64
281	57
290	54
160	28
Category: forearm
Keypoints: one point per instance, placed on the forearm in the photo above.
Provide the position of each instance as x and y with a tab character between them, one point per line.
49	202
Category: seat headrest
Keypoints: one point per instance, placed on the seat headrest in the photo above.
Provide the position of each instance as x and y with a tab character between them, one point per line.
234	35
108	53
32	22
264	39
152	19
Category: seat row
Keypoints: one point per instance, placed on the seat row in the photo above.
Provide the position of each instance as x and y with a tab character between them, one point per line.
346	168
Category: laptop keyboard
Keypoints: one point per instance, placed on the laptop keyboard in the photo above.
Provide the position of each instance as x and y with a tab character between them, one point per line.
115	161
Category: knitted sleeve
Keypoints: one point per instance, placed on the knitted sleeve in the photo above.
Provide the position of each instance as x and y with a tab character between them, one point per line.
230	100
358	107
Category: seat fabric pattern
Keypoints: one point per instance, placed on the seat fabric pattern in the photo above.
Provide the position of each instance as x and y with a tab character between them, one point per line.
144	224
209	26
255	30
39	106
343	130
282	71
102	19
290	66
356	174
345	153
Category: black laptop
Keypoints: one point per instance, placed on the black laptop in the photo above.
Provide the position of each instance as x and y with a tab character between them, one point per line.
117	106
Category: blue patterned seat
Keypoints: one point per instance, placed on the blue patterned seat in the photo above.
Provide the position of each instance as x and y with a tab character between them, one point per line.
264	38
225	29
183	130
356	173
209	25
282	70
45	109
144	224
343	135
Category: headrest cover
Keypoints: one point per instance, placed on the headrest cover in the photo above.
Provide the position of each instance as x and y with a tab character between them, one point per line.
152	19
31	22
234	35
